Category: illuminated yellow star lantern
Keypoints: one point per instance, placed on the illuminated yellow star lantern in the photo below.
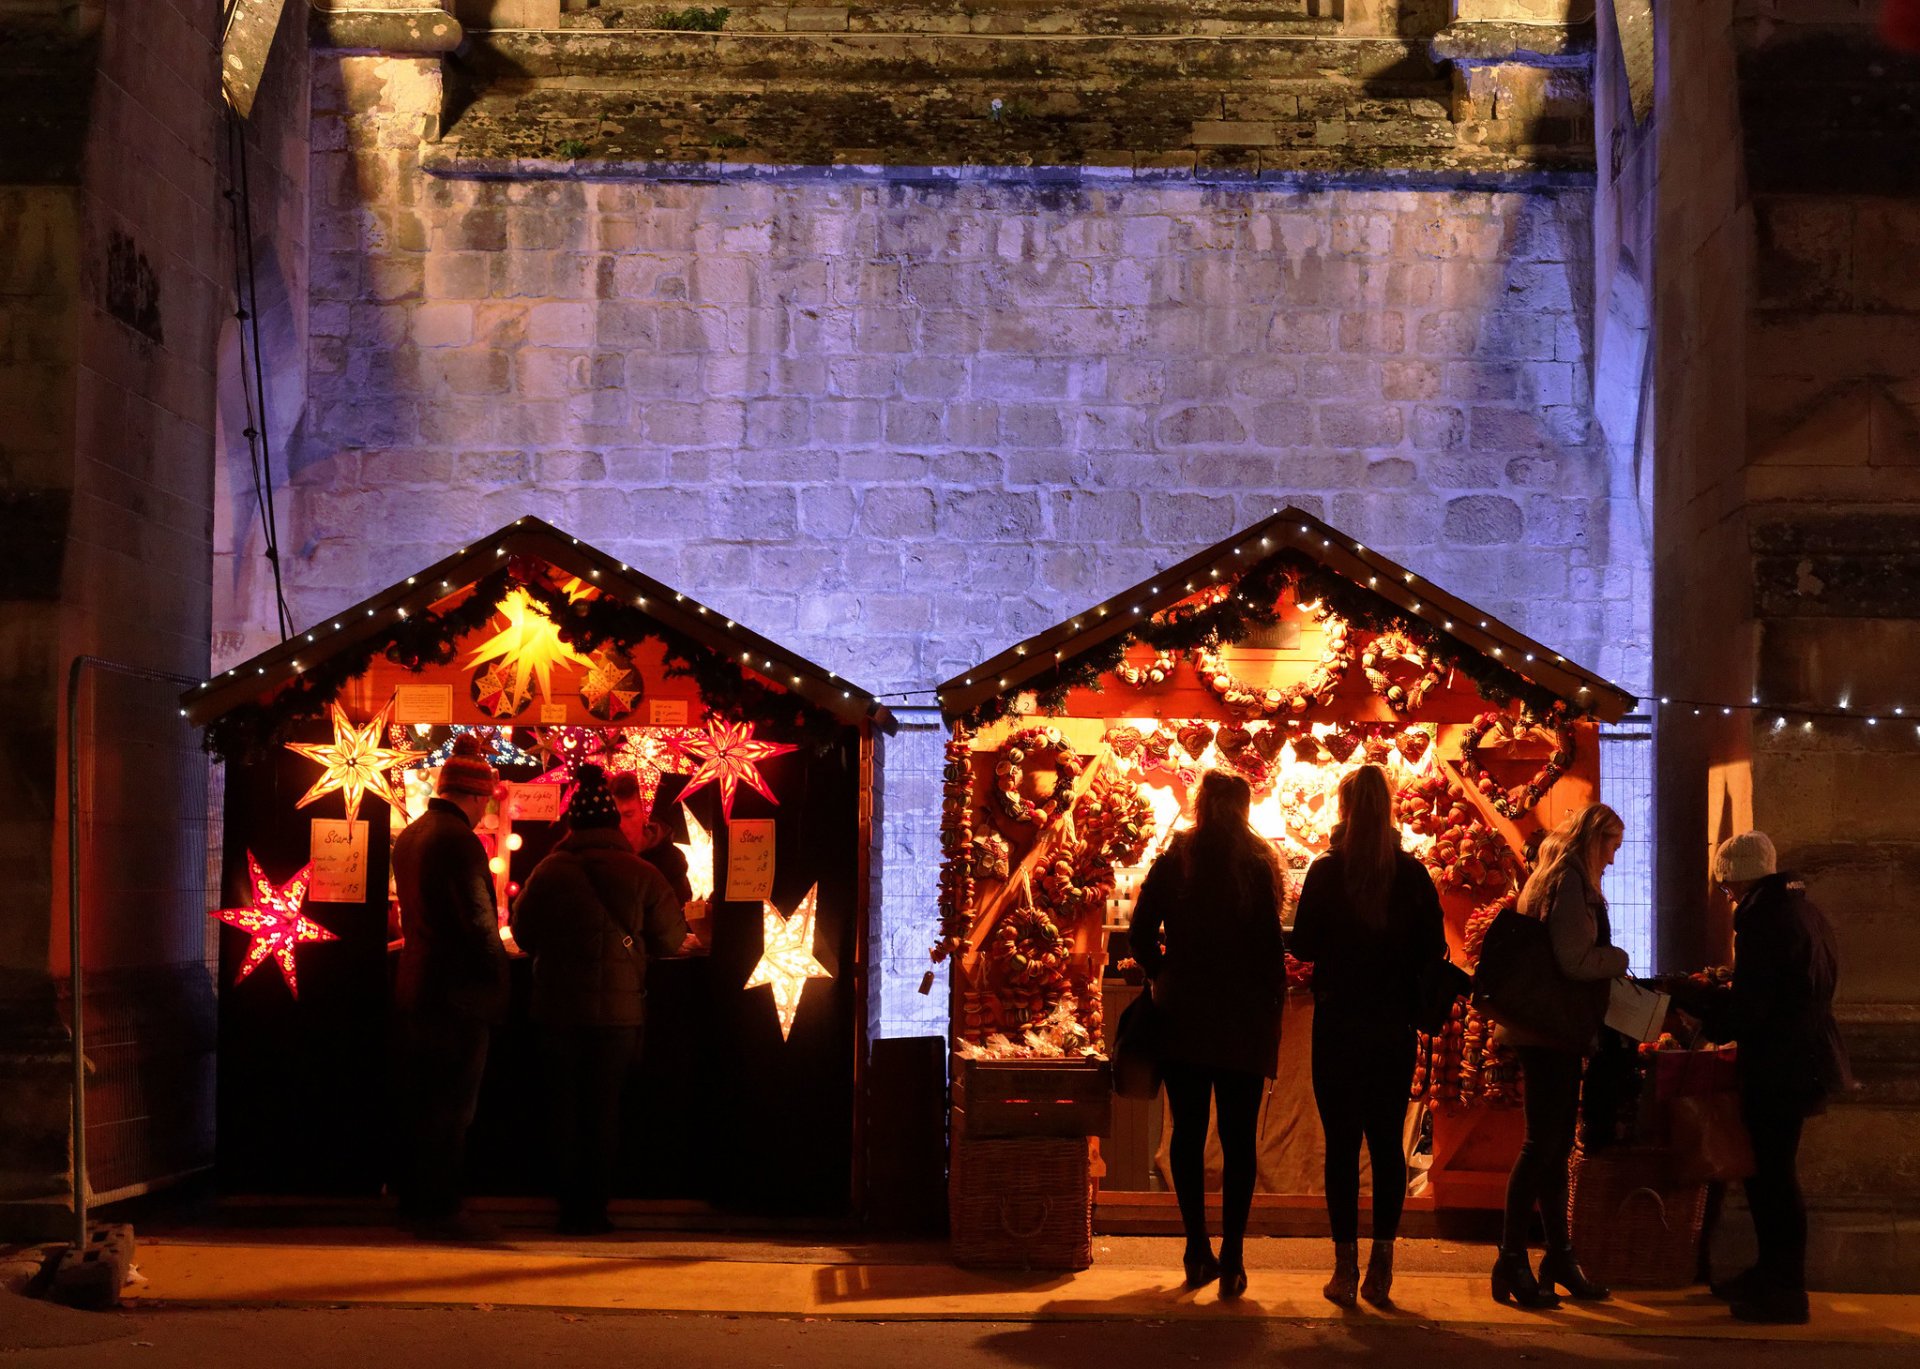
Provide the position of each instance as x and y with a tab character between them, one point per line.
728	753
355	762
275	922
786	958
529	645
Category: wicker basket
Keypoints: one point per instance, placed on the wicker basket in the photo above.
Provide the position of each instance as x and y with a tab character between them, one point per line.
1634	1224
1024	1204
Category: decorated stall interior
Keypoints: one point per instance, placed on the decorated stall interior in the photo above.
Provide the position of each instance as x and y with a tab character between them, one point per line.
1289	653
551	653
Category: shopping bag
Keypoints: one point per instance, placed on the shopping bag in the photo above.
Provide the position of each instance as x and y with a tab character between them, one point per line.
1708	1139
1635	1011
1136	1049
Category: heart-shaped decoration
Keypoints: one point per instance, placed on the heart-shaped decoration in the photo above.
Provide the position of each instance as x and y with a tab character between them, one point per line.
1340	745
1125	741
1307	749
1378	749
1268	741
1412	744
1195	738
1234	738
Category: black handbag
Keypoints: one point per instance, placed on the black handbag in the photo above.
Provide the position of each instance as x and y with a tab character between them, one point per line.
1435	988
1519	984
1136	1049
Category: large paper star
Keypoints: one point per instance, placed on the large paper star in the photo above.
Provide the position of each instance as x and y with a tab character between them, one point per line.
529	646
728	753
786	957
275	922
355	761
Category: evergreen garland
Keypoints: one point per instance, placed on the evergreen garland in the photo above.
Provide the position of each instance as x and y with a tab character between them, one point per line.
1253	603
419	640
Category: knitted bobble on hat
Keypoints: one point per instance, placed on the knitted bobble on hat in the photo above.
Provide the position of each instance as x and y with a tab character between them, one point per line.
592	803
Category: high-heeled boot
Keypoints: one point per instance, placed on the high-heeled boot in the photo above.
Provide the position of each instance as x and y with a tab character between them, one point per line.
1377	1287
1233	1269
1342	1288
1513	1282
1202	1268
1558	1267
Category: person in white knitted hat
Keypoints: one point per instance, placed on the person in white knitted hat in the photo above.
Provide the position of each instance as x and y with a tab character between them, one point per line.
1779	1009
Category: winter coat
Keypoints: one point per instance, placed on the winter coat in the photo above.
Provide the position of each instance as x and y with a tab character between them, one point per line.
590	914
1780	1005
671	862
1582	936
451	959
1220	982
1367	971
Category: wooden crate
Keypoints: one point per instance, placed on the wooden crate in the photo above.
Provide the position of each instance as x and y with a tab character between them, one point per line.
1002	1099
1022	1204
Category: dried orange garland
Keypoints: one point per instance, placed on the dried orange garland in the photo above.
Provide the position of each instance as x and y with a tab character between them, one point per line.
1034	743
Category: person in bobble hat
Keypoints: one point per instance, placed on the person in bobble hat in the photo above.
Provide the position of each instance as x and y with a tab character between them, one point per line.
591	914
451	990
1779	1008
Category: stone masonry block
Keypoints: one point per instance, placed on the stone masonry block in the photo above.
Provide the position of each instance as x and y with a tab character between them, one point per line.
1482	520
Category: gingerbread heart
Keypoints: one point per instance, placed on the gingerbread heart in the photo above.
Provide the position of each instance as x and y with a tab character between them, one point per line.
1378	749
1340	745
1268	741
1195	738
1307	749
1125	741
1234	738
1413	744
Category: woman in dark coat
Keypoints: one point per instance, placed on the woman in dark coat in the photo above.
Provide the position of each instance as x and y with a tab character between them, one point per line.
590	915
1369	919
1779	1009
1564	892
1206	929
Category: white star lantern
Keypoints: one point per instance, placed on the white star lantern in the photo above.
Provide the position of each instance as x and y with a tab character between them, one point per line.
786	957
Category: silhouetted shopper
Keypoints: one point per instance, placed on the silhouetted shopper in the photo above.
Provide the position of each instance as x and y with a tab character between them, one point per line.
1780	1010
452	988
1564	890
651	832
1369	918
590	915
1218	985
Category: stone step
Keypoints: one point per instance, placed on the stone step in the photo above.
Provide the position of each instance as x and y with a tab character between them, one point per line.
1207	17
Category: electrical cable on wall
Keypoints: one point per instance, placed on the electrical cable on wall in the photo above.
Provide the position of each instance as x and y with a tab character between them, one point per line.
252	378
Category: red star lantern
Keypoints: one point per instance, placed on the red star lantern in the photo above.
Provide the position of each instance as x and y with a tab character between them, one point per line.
729	754
275	922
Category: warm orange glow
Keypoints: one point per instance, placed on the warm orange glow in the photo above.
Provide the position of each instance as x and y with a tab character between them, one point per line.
275	922
529	645
786	957
355	762
698	849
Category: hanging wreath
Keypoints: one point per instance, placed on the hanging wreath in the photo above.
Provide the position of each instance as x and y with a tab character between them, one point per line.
1396	648
1034	743
1336	659
1515	803
1030	951
1157	671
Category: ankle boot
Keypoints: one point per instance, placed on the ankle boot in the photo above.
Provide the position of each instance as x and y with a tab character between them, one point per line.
1233	1270
1377	1288
1513	1282
1202	1268
1342	1288
1558	1267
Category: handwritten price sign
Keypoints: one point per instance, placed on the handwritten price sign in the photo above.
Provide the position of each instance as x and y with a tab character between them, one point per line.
339	861
750	860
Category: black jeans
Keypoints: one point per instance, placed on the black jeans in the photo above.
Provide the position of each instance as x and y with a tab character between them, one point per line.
1362	1074
1236	1104
445	1057
1773	1193
586	1068
1550	1080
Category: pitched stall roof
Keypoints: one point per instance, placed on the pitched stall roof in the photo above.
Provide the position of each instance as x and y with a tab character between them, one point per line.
374	617
1289	529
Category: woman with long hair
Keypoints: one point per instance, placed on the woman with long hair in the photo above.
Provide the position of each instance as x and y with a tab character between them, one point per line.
1564	892
1369	918
1206	929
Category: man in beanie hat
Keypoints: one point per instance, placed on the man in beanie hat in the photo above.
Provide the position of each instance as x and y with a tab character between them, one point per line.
652	840
591	914
451	990
1779	1009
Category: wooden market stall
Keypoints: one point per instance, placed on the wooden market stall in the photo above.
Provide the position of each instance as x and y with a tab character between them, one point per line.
554	653
1289	653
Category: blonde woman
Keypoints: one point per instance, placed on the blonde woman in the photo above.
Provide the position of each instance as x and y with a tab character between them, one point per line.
1564	892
